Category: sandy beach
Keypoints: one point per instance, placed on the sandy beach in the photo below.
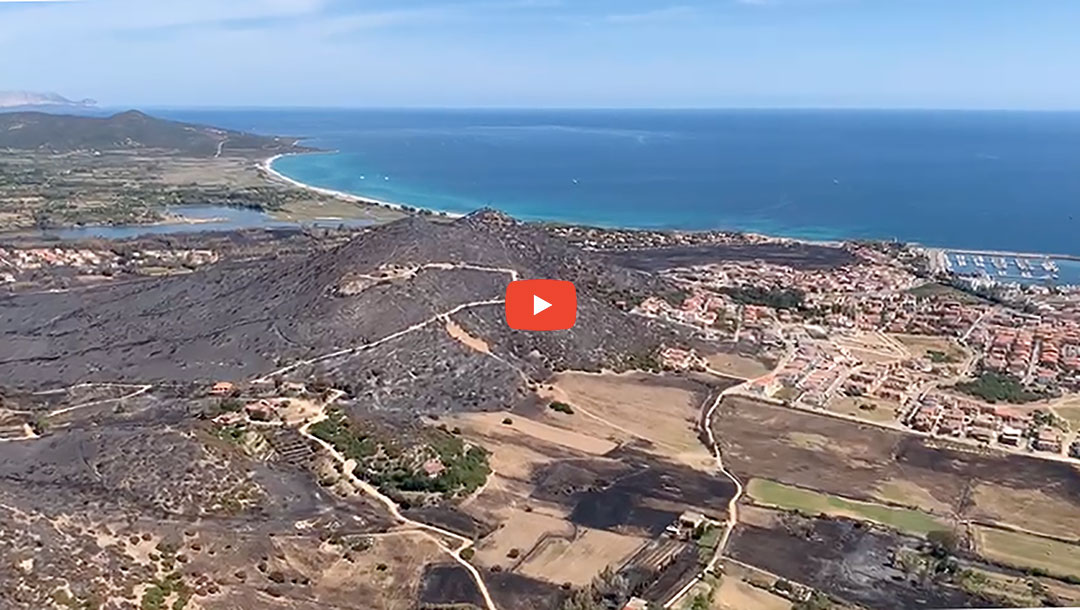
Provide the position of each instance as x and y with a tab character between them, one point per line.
268	167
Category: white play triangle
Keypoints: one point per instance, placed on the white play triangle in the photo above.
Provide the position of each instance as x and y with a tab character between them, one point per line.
539	304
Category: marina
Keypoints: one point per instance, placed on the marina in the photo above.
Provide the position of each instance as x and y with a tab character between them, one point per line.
1008	268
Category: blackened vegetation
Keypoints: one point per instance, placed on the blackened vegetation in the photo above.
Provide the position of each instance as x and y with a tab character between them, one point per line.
449	584
625	495
81	499
450	518
240	319
1052	477
682	567
754	437
848	560
516	592
616	507
434	370
798	255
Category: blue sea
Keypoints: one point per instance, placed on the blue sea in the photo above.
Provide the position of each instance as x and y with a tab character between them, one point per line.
976	180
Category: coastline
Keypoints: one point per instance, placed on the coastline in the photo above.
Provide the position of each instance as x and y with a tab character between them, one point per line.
267	165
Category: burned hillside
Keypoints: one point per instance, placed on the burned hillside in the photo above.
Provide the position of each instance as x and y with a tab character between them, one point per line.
239	319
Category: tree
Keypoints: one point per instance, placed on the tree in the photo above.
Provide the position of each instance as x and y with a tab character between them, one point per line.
943	542
817	601
701	601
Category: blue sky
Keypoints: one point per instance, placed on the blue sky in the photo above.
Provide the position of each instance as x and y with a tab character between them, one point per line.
548	53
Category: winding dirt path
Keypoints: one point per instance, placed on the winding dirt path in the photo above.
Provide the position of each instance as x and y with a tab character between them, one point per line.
733	503
434	532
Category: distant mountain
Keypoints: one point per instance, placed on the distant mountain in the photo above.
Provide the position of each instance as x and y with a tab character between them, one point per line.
28	99
131	130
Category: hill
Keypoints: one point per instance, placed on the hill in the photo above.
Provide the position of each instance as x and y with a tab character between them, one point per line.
130	131
416	302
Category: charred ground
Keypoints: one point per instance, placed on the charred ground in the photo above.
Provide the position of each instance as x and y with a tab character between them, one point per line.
244	318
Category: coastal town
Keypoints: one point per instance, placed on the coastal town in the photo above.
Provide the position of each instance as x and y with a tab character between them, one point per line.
28	265
733	413
879	342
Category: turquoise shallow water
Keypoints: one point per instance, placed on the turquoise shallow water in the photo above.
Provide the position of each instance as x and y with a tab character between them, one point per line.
981	180
207	217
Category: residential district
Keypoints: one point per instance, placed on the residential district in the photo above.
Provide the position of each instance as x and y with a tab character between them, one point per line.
885	341
27	265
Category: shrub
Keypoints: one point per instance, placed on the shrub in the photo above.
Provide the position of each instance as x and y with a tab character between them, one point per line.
561	407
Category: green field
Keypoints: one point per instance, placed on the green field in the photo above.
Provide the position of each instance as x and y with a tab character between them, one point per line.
770	493
946	292
1027	551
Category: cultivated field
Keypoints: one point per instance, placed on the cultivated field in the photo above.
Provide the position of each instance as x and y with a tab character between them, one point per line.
825	454
1025	551
1032	509
573	493
579	560
519	532
868	463
810	503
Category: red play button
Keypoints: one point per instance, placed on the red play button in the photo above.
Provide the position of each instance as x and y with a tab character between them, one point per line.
541	305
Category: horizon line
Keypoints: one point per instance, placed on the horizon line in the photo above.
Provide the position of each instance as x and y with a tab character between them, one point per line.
124	107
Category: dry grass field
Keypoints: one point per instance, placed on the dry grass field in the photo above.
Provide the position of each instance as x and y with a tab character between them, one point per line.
1031	509
519	530
1068	408
736	594
905	493
737	365
921	345
884	411
1021	591
573	493
578	561
871	347
520	447
518	451
1025	551
662	416
387	575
